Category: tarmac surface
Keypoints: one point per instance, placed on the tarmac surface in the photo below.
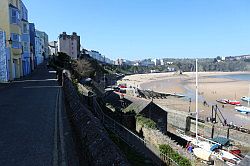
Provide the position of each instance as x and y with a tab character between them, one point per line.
29	129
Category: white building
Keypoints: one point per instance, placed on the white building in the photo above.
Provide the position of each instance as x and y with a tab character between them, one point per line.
162	62
69	44
157	62
95	55
53	48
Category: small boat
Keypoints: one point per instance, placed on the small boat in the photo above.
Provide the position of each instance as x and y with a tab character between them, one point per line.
202	154
222	101
243	109
227	157
235	152
245	98
233	102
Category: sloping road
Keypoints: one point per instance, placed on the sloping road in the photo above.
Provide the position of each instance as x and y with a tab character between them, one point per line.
28	118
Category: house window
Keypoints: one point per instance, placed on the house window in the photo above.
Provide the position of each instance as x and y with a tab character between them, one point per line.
25	28
15	17
25	47
16	40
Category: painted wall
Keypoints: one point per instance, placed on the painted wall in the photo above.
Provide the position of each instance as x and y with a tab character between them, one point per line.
25	40
10	23
4	69
32	32
39	45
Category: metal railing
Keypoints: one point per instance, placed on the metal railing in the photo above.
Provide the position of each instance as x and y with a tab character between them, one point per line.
134	141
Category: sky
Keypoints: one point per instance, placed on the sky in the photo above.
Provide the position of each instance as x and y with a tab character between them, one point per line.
139	29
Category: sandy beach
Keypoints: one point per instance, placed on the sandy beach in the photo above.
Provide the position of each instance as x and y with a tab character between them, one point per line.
210	89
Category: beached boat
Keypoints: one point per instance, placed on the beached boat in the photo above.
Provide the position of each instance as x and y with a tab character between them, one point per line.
222	101
243	109
233	102
245	98
202	154
227	157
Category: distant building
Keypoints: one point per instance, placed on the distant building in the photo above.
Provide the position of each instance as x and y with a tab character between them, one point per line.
169	63
120	62
95	55
157	62
32	32
53	48
39	46
147	62
162	62
69	44
241	57
45	42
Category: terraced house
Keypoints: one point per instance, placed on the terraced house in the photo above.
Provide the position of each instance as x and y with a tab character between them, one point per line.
25	37
10	23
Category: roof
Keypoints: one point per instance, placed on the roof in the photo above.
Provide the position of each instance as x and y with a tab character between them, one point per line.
115	100
137	106
221	140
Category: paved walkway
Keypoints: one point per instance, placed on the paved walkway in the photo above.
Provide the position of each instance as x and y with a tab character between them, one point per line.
28	120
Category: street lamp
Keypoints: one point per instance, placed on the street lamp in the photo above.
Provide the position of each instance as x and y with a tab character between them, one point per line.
10	41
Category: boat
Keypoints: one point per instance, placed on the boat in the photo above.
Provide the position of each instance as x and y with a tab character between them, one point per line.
222	101
227	157
243	109
233	102
202	154
245	98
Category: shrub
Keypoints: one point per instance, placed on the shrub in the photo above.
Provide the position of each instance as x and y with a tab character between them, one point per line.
149	123
180	160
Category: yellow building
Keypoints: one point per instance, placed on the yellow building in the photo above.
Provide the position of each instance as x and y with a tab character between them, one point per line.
10	23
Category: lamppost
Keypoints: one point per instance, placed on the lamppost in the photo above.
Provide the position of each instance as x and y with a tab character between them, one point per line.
9	41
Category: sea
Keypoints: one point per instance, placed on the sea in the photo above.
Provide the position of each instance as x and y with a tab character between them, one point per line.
241	77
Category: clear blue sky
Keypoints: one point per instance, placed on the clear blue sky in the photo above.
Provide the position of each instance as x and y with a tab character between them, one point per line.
137	29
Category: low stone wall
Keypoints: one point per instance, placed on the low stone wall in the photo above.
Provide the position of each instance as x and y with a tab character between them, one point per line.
221	131
157	138
97	148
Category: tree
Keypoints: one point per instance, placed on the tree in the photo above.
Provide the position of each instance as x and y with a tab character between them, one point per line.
63	60
83	68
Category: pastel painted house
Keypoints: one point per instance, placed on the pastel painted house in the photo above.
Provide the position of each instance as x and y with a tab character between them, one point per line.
32	32
25	38
10	23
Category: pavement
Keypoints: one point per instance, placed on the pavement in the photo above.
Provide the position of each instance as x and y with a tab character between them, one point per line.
30	124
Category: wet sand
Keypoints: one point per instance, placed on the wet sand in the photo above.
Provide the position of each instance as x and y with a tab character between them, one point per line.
210	89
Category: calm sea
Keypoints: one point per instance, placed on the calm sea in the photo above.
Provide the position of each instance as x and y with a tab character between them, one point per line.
243	77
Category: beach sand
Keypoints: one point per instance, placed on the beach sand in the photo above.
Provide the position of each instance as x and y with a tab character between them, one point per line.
210	89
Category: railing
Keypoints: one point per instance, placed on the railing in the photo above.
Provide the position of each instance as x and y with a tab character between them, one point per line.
132	139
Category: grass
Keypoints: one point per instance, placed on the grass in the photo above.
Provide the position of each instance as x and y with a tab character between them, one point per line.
180	160
146	122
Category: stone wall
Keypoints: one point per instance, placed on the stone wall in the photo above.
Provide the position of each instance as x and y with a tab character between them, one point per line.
177	120
157	138
221	131
158	115
97	148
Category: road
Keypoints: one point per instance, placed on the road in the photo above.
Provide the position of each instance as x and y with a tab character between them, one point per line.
28	120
